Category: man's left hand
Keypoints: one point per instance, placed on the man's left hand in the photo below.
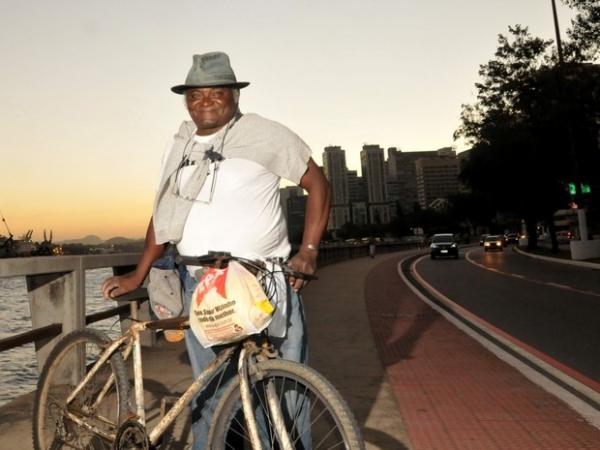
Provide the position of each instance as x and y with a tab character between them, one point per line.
304	261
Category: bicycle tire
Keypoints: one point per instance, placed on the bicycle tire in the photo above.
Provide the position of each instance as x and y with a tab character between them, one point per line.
325	404
52	430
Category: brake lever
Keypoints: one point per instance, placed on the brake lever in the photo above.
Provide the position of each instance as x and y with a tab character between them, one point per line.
300	275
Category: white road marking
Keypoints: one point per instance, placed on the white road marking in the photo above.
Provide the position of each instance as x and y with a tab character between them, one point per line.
531	280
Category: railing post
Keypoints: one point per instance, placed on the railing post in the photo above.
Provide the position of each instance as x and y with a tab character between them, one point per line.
137	311
56	298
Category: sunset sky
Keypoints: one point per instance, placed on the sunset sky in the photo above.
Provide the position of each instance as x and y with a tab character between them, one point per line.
86	110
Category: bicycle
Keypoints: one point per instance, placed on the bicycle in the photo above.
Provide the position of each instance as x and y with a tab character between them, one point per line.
83	395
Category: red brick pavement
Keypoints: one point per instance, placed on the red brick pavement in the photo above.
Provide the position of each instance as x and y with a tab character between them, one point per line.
452	393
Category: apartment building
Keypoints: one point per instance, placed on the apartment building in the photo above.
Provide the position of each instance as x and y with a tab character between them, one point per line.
336	172
402	171
437	178
373	171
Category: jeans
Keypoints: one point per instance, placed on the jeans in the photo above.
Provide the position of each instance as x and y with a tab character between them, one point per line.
293	347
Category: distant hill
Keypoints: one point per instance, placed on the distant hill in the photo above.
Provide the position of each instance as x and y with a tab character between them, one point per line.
96	241
118	240
90	239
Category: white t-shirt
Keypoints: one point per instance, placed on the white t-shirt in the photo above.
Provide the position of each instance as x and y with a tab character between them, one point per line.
241	215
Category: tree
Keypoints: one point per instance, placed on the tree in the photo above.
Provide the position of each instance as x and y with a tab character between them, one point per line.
432	221
472	209
498	129
533	128
585	31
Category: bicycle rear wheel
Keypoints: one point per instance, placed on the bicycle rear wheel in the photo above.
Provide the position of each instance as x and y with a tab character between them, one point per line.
100	404
315	415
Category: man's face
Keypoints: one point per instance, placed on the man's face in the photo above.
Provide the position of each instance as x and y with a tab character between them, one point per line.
210	108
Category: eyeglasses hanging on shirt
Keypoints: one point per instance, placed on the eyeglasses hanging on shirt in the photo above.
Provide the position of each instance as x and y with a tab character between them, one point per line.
209	154
189	161
215	158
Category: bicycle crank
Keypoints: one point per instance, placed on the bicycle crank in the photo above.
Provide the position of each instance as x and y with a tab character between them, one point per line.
131	435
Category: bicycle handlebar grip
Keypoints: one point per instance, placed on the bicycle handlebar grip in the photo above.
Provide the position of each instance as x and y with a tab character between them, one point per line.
301	275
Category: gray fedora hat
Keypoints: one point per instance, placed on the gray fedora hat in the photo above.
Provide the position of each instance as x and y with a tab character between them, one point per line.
209	70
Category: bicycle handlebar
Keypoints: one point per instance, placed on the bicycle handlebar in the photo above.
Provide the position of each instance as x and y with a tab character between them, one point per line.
220	260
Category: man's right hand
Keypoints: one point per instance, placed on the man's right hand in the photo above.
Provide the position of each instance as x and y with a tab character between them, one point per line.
118	285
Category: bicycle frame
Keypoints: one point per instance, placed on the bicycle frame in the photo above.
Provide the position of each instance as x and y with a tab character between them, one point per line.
282	414
272	402
131	340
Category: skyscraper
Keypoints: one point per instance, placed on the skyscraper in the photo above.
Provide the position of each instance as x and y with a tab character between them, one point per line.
357	194
373	164
437	178
334	166
402	170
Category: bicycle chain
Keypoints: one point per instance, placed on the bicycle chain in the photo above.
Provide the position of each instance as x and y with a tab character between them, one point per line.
131	436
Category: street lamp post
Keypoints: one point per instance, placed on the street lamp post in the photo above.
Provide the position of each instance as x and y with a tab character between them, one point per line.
583	232
557	32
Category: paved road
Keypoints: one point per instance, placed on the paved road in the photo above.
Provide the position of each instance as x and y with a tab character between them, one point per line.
552	307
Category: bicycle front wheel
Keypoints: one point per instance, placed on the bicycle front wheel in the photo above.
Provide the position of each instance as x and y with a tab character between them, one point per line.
314	414
93	416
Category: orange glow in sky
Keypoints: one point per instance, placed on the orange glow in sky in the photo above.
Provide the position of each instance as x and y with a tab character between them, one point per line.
86	110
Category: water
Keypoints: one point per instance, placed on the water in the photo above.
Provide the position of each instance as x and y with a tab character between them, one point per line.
18	367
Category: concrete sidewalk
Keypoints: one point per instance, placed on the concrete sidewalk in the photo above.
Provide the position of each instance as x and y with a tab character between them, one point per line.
341	347
570	262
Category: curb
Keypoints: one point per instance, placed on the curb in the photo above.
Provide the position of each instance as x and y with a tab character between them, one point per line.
570	262
556	382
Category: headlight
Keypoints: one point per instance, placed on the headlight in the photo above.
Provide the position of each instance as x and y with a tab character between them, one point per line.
433	246
453	246
487	244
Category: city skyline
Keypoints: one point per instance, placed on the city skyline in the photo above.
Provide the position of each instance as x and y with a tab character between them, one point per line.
86	108
389	187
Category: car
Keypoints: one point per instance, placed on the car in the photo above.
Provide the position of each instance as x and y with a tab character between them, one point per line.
493	242
511	238
564	236
482	238
443	244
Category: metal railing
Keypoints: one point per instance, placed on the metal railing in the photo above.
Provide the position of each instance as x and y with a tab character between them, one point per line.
56	292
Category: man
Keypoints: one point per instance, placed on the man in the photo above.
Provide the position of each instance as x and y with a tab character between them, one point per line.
219	191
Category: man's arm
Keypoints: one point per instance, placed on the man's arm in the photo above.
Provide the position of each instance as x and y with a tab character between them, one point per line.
119	285
315	222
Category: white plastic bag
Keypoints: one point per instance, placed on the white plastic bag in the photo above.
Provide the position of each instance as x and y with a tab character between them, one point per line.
228	305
